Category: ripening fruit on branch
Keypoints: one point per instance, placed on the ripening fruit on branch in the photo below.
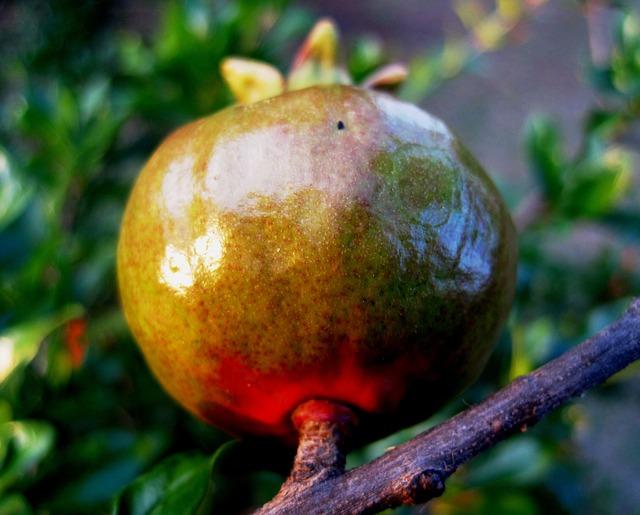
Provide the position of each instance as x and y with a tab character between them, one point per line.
317	240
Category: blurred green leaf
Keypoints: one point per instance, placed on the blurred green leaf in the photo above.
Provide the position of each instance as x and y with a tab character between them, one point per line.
14	504
103	464
531	346
430	70
21	343
489	501
621	74
6	411
509	503
596	185
520	461
366	55
604	123
589	186
545	154
180	484
23	444
14	192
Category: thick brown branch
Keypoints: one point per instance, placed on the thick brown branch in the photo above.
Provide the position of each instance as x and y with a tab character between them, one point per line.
415	471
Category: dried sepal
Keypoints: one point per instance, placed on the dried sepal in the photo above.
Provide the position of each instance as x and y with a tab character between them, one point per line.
315	61
388	76
314	65
251	81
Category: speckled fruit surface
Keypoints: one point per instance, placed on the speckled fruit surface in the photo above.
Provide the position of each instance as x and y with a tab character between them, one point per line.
326	243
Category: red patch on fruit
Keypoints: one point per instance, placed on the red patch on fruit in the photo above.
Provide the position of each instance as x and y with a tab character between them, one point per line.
262	402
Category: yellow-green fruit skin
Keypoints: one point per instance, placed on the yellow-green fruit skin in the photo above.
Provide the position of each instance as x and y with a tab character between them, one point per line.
328	243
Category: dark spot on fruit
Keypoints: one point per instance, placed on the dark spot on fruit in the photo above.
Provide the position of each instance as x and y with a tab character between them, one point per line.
340	125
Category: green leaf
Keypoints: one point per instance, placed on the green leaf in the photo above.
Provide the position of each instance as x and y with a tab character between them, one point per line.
101	464
595	187
21	343
621	74
14	505
520	461
486	501
23	444
180	484
367	55
6	411
428	71
603	123
509	503
135	58
531	346
544	149
14	192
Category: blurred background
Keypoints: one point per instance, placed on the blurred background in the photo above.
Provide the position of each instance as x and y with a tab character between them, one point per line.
546	93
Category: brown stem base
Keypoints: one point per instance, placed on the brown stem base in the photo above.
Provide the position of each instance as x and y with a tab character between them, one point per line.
323	432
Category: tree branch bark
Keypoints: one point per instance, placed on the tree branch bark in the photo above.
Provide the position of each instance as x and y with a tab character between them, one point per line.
415	471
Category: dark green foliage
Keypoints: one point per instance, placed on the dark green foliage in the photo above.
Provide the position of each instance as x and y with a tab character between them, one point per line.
87	90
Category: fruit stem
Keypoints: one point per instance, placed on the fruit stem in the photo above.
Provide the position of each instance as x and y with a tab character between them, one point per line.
323	429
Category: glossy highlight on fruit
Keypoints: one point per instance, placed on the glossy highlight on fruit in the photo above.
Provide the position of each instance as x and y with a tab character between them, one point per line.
325	242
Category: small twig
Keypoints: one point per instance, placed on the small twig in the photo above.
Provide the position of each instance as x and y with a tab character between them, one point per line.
415	471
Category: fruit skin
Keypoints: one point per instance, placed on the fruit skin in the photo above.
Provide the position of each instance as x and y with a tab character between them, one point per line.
327	243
